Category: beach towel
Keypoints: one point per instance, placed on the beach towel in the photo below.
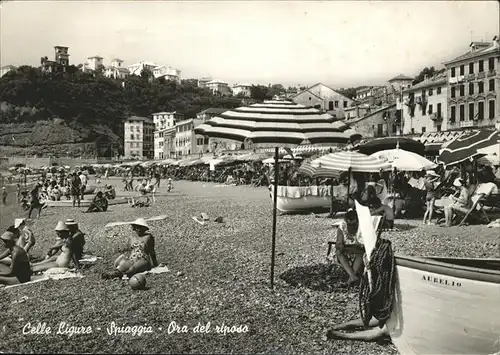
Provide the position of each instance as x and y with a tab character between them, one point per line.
160	269
52	274
88	259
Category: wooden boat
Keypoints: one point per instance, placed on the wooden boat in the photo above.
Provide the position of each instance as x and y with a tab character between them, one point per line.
84	203
446	306
292	199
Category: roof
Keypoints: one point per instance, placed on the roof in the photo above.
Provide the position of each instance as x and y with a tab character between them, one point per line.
215	110
401	77
205	79
492	47
61	47
439	79
123	70
96	56
310	87
183	122
216	81
241	85
168	113
138	118
116	60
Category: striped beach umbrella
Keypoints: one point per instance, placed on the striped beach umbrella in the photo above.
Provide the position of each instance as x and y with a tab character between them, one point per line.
351	161
469	146
316	172
404	160
277	124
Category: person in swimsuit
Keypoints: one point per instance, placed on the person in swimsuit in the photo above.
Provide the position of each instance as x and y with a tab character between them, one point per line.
430	198
77	236
142	255
349	243
19	270
67	254
35	200
26	237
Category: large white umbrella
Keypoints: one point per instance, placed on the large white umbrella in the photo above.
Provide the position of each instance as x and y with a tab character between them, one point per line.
277	124
404	160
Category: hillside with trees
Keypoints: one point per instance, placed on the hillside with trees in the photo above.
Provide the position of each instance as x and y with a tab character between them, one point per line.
48	110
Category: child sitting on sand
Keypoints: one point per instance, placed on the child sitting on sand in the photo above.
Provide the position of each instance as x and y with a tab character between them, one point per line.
19	270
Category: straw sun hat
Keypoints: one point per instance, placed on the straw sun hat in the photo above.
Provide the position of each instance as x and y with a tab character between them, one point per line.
140	222
458	182
8	236
70	222
18	222
61	226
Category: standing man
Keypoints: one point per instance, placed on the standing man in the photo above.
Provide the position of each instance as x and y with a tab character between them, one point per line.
76	185
35	200
77	236
83	179
4	195
157	177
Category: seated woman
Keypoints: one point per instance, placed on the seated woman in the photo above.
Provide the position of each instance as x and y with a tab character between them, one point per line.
460	203
99	203
67	255
19	270
349	243
109	192
370	199
4	257
55	193
142	255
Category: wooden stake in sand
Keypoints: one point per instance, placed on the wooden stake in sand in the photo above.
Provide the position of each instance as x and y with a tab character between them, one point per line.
157	218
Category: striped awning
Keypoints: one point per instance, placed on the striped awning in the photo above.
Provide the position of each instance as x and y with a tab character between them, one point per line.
316	172
357	162
468	146
252	157
280	123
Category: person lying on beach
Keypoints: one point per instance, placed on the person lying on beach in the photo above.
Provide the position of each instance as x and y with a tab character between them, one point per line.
67	255
371	333
19	270
142	255
349	244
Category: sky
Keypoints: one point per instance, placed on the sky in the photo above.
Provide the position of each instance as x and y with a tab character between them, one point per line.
288	42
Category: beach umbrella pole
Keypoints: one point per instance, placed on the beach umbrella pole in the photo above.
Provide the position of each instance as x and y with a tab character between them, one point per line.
332	200
348	185
275	210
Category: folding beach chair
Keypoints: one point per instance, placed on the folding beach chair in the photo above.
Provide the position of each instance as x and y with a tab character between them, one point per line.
476	211
378	223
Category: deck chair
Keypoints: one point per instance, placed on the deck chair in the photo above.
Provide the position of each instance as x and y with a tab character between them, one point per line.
476	211
378	223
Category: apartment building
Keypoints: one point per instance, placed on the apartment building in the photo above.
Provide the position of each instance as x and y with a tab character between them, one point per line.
473	83
424	106
139	137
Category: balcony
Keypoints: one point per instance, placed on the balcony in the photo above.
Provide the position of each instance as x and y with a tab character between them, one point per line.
492	72
464	124
436	117
452	80
481	75
460	78
470	77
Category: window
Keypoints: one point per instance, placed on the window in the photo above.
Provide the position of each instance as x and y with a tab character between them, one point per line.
336	104
452	72
138	129
492	85
413	131
438	113
423	129
430	110
423	92
345	104
431	92
309	98
471	88
481	65
462	69
330	105
452	113
491	105
480	87
491	63
131	136
462	90
462	112
438	91
453	92
471	68
380	130
471	111
480	110
438	128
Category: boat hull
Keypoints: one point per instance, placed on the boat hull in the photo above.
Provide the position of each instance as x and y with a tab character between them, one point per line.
83	203
445	308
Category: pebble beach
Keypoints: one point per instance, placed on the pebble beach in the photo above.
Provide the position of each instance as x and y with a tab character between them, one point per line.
218	276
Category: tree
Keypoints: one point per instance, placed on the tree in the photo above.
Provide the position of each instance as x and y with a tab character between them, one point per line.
146	74
430	72
260	93
348	92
